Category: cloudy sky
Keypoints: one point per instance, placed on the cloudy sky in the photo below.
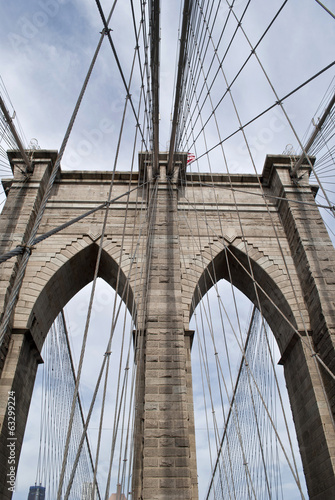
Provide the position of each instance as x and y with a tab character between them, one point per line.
46	47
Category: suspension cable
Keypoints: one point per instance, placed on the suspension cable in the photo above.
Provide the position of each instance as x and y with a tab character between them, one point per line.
21	248
326	9
313	136
128	94
181	68
277	103
15	135
24	261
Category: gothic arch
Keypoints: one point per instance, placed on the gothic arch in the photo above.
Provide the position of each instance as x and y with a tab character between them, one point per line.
73	275
179	272
232	265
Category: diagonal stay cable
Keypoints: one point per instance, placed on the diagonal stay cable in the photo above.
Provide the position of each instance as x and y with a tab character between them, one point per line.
239	24
317	131
267	296
260	185
107	32
326	9
213	280
118	274
225	252
240	342
68	489
89	312
121	398
231	402
294	473
264	195
197	74
108	348
293	173
256	291
276	103
142	284
82	353
16	136
24	261
19	249
73	371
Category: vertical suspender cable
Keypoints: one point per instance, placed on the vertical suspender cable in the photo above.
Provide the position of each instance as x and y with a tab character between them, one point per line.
15	134
116	287
181	68
313	136
231	403
61	482
107	32
23	264
74	379
154	47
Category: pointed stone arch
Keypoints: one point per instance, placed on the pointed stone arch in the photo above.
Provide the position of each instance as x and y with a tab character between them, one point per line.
279	307
255	282
177	268
59	279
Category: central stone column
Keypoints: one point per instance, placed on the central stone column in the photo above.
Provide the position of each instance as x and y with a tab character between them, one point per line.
165	466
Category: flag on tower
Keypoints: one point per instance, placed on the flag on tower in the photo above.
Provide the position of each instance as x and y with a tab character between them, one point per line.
190	158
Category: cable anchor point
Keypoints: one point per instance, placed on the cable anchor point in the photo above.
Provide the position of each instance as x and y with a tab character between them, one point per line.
26	248
105	31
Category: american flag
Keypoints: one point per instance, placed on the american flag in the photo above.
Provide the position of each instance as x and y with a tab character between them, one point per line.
190	158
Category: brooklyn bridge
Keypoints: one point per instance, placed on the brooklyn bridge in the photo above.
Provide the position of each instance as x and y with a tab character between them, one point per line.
167	268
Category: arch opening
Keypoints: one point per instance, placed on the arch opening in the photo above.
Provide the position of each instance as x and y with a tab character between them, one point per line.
233	266
69	288
231	375
68	280
121	365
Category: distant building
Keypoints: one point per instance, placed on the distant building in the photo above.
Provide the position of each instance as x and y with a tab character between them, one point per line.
86	492
36	493
118	495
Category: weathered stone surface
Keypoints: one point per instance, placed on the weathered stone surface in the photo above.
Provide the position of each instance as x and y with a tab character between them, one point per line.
291	258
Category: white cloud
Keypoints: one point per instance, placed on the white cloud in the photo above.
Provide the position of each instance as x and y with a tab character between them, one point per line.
46	47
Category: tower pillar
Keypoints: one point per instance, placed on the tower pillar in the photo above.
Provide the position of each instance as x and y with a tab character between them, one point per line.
165	465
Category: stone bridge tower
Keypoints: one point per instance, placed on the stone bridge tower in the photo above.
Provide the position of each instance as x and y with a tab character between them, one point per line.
285	263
